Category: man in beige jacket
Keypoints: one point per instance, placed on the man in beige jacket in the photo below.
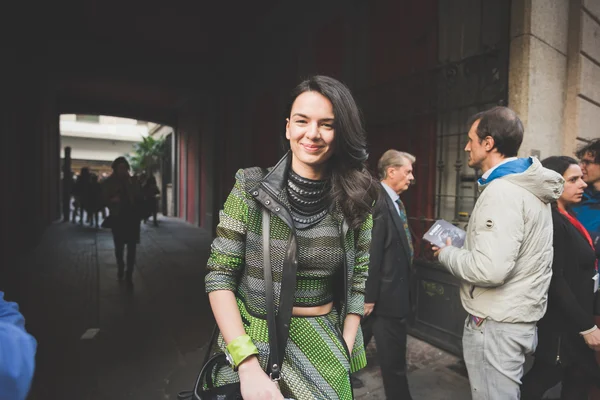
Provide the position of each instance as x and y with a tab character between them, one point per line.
505	265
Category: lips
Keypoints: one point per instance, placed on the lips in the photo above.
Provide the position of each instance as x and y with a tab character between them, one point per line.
311	148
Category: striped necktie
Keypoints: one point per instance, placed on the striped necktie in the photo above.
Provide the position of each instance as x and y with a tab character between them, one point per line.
404	219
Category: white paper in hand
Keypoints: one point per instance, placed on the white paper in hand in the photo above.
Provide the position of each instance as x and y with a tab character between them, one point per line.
441	230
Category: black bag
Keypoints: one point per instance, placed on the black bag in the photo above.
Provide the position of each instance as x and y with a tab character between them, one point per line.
204	389
278	328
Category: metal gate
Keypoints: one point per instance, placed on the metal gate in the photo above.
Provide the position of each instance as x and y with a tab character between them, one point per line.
464	85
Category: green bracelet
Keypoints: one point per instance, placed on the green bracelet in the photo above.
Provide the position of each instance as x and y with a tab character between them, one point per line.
239	349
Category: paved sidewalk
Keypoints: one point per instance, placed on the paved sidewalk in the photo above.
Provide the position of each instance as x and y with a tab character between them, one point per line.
433	374
149	343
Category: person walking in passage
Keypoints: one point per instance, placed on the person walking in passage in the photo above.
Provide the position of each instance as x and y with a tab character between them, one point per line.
124	197
151	192
319	198
387	297
567	333
506	263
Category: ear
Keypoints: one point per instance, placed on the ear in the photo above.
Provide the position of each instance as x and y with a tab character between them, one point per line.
490	143
287	128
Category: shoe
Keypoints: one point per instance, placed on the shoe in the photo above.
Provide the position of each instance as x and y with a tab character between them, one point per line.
356	382
121	273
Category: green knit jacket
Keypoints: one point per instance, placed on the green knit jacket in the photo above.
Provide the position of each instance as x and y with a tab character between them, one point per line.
235	261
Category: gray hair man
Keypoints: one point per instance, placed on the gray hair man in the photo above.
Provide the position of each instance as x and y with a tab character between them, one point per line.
387	297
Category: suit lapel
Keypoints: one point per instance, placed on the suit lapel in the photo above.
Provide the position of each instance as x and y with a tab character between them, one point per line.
397	223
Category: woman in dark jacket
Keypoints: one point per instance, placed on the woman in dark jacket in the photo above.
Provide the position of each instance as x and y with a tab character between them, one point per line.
123	195
567	334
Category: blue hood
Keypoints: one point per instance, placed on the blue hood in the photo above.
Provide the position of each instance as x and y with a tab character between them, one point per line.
588	213
517	166
529	174
590	196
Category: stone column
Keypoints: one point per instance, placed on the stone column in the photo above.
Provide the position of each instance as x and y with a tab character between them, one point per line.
582	111
538	72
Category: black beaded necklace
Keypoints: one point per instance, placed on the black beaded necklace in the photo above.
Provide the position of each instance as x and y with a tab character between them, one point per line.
309	199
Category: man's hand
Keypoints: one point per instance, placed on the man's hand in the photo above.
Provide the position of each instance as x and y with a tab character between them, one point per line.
369	308
437	250
592	339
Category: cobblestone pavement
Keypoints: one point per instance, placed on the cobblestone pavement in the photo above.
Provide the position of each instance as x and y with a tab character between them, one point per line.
433	374
149	343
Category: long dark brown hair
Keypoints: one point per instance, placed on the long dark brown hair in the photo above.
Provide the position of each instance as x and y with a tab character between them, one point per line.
352	186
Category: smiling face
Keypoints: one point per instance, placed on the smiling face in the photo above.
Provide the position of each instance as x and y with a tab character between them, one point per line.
574	186
311	134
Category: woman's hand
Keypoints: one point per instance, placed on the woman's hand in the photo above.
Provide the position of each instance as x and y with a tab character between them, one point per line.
255	384
349	344
592	339
351	327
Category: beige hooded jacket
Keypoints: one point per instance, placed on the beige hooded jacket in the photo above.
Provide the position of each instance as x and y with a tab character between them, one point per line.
506	263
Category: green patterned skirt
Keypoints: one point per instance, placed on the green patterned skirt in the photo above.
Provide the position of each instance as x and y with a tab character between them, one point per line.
315	366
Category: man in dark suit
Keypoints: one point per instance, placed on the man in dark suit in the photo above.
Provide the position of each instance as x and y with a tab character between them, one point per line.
387	300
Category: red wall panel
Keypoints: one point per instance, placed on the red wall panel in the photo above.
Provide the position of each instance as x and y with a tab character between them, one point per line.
403	47
228	160
182	173
192	157
403	38
267	128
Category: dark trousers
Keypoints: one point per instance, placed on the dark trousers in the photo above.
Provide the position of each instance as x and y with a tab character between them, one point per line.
119	253
543	376
390	336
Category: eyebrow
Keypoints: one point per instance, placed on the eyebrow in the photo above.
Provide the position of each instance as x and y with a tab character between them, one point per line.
304	116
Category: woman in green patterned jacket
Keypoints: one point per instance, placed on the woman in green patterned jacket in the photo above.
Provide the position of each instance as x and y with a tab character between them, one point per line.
319	196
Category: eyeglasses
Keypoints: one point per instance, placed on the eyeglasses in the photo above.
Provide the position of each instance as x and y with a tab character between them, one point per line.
585	163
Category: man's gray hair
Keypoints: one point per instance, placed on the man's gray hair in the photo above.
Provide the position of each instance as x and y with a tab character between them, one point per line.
393	158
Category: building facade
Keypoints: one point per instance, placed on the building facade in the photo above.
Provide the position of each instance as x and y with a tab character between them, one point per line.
96	140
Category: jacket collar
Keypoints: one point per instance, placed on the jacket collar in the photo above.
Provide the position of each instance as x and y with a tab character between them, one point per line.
275	195
276	179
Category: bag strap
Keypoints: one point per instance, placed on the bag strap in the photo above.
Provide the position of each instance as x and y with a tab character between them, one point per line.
274	366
